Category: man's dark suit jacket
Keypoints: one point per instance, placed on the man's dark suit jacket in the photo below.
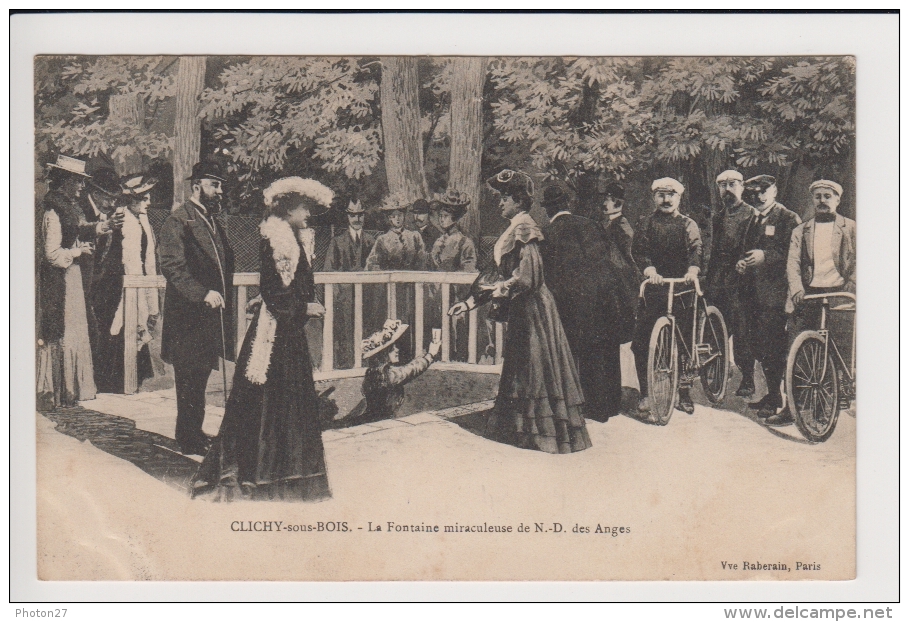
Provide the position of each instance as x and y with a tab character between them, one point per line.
345	256
195	260
766	285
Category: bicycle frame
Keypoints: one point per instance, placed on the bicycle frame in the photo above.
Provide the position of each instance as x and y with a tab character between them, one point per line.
828	338
693	352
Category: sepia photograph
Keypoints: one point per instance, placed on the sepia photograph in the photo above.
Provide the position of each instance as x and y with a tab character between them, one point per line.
438	317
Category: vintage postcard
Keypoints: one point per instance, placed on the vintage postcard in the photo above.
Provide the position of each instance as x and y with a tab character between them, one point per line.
434	317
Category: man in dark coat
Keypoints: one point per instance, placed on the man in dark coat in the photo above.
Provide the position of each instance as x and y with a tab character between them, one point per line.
764	286
614	223
198	263
729	225
667	245
580	271
428	231
347	252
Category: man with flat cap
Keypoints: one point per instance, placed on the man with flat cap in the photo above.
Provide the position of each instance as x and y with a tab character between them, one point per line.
198	263
722	284
347	252
667	245
763	285
582	269
821	260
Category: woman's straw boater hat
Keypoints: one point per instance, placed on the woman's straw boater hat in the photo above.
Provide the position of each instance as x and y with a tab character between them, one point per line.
394	203
453	202
295	188
70	165
136	185
380	340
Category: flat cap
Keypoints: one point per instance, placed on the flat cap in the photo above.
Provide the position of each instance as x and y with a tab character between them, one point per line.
667	184
729	175
826	183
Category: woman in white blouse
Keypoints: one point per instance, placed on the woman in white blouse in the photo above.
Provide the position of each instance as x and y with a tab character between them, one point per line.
65	371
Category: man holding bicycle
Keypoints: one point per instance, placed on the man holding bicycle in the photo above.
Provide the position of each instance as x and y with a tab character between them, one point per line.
821	260
667	245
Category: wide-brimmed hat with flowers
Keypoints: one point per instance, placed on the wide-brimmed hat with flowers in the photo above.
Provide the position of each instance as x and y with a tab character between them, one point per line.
136	185
395	202
380	340
453	202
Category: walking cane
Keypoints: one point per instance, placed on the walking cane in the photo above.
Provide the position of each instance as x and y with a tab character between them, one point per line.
223	356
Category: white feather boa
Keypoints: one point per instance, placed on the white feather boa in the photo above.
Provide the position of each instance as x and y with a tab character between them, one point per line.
133	226
286	255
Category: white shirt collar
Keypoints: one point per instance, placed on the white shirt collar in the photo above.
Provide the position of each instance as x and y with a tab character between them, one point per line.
766	210
615	215
199	205
562	213
354	233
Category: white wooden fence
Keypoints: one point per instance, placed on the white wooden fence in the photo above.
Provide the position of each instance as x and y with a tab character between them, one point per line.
244	280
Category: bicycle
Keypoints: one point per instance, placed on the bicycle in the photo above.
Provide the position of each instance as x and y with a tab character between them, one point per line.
813	370
708	355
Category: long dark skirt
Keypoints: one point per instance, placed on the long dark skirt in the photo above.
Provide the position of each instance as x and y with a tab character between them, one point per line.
270	443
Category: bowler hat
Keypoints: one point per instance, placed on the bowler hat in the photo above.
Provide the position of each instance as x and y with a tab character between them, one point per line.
511	182
355	207
105	180
760	182
614	190
70	165
420	206
555	197
207	170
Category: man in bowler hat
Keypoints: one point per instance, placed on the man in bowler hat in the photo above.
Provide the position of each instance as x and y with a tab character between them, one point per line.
198	263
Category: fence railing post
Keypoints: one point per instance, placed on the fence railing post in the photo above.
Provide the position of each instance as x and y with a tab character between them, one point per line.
241	315
392	294
130	343
328	329
472	328
358	325
418	318
446	322
500	341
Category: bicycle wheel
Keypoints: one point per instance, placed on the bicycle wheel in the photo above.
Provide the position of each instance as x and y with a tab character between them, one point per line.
662	370
812	387
713	344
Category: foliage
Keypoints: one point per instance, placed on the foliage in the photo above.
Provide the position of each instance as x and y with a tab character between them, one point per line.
73	105
268	108
621	115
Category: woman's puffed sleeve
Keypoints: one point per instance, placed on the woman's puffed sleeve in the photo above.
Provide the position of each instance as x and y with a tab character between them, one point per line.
54	253
527	276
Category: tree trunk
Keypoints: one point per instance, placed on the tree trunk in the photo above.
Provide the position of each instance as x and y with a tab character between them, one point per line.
187	130
401	128
468	79
127	109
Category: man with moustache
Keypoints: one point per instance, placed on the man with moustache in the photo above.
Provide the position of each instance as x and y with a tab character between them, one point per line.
821	260
729	225
347	252
667	245
198	263
763	285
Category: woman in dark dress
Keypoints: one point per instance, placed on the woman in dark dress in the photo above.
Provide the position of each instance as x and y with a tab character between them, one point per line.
270	443
540	401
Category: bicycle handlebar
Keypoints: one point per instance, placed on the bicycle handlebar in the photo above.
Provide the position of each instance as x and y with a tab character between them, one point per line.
697	286
830	295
